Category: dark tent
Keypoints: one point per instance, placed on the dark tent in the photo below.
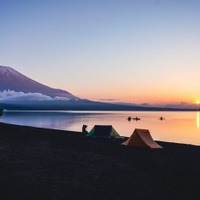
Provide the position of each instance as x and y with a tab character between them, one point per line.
103	132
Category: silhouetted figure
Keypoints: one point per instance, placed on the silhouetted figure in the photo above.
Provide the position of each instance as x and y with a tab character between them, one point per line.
161	118
129	118
84	131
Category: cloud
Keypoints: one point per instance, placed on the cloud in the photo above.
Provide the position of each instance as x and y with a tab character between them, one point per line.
61	98
181	105
10	95
108	99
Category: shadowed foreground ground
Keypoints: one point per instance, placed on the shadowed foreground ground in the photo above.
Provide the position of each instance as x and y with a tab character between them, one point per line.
49	164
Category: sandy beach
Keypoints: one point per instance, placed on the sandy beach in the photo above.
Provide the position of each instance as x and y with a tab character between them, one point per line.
38	163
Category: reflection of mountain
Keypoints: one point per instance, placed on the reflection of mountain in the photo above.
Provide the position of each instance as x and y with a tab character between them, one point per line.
53	120
10	79
38	119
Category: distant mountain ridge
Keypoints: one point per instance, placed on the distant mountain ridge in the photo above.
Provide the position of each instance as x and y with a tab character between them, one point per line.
10	79
18	92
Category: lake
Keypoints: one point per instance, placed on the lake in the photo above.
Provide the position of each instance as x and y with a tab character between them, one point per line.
179	127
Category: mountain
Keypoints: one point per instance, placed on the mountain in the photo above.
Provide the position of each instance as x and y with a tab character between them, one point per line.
11	79
18	92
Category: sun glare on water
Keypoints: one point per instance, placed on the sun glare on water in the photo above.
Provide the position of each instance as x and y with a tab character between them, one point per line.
198	120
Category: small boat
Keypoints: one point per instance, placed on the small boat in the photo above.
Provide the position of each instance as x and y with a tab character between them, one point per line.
136	118
133	118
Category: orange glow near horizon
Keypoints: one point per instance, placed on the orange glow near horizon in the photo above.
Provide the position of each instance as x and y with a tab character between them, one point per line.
198	120
142	98
138	95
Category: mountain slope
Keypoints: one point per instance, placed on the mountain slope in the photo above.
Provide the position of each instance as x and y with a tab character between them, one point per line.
10	79
32	95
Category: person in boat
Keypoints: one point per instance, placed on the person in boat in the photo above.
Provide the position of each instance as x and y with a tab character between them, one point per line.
136	118
161	118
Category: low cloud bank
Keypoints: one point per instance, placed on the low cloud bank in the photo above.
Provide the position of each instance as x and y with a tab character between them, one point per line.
10	95
181	105
109	100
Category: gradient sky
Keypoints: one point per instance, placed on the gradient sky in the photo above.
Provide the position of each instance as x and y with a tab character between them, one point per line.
138	51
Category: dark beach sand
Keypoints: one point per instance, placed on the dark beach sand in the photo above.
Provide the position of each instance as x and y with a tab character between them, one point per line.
51	164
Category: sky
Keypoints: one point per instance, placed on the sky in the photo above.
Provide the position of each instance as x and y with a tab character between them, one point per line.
136	51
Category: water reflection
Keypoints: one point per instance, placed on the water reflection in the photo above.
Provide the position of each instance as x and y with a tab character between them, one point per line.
198	120
180	127
49	119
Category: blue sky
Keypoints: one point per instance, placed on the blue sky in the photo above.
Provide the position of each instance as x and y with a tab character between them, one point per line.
127	50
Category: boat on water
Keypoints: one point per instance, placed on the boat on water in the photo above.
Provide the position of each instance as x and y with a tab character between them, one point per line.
133	118
136	118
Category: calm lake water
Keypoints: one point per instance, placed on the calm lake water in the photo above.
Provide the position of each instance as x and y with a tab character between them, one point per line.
179	127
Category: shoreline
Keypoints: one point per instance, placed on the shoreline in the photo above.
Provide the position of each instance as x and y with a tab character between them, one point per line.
40	163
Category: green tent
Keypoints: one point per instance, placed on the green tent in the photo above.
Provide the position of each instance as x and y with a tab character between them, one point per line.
102	131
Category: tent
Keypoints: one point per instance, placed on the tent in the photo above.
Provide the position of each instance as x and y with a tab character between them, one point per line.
102	131
141	138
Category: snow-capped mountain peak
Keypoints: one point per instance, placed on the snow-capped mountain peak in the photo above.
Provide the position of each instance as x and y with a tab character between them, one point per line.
9	72
10	79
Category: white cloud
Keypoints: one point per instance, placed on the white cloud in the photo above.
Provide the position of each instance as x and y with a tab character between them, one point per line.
10	95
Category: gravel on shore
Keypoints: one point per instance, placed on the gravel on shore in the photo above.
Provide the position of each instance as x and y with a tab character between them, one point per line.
40	164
